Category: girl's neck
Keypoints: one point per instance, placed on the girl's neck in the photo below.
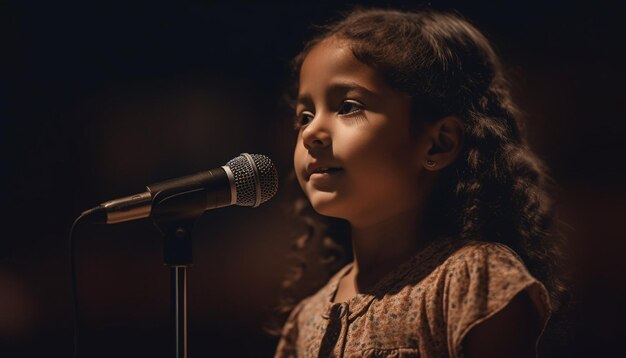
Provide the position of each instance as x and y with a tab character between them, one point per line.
380	247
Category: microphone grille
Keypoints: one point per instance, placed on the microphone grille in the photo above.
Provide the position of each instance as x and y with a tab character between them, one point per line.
256	179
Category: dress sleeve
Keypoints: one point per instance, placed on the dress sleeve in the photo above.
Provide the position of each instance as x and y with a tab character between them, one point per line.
287	343
483	279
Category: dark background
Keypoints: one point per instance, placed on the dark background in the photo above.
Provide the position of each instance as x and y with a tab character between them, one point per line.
100	98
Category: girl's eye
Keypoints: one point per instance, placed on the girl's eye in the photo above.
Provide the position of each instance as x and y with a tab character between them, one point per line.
304	118
349	106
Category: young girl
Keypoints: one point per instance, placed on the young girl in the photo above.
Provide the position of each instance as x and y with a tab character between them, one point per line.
410	145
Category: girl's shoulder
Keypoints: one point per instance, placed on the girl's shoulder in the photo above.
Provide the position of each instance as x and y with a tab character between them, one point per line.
482	278
491	271
470	260
473	279
458	283
477	253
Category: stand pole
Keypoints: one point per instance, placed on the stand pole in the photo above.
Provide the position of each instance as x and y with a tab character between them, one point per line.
179	308
178	256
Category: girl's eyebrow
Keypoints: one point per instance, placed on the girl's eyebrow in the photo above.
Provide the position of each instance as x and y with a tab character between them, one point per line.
337	88
348	86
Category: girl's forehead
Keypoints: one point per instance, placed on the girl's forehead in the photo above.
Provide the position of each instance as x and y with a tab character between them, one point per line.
332	61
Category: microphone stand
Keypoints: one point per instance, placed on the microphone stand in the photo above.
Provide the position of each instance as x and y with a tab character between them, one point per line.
177	253
176	226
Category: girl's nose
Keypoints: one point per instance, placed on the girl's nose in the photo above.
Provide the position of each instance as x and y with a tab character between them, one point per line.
317	134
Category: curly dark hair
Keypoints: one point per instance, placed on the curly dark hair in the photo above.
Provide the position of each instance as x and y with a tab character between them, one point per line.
497	189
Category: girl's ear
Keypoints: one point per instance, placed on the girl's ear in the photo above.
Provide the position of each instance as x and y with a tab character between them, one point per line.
445	141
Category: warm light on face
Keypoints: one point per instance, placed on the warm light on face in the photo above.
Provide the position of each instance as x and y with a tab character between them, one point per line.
355	157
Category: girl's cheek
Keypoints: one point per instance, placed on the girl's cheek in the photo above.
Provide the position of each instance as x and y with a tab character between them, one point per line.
297	163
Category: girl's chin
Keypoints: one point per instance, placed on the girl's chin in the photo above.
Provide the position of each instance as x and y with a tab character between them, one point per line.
327	205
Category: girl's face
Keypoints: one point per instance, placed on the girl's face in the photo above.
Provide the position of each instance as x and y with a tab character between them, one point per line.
355	157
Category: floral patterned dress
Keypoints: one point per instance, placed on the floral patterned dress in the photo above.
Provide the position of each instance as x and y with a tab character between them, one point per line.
423	308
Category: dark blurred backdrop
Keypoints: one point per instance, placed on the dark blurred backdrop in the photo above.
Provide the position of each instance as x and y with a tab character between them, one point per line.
100	98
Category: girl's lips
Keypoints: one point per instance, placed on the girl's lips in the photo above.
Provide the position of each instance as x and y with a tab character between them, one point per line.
320	168
325	173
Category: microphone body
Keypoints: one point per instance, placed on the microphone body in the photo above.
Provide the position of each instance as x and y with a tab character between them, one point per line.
247	180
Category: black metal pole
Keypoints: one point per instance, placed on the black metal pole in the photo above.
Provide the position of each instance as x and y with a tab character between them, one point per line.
179	308
177	252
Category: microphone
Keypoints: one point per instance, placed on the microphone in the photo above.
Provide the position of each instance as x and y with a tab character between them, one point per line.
247	180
